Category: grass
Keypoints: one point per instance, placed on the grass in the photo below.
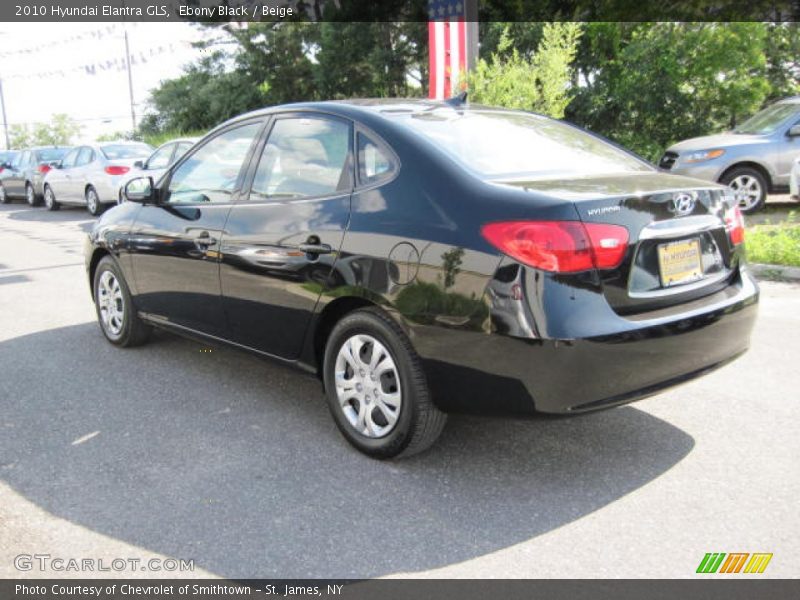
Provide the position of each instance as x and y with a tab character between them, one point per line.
775	244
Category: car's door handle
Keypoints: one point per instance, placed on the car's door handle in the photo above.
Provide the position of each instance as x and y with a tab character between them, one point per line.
205	239
315	248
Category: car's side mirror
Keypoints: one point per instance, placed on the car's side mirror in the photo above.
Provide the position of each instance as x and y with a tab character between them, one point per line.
141	190
794	131
139	164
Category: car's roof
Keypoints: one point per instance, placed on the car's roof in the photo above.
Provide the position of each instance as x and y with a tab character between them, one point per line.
790	100
385	107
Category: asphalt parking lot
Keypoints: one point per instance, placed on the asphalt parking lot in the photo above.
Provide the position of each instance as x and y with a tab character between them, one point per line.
171	451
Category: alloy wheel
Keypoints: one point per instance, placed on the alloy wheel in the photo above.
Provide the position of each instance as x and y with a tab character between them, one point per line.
111	303
49	200
368	386
29	195
91	200
746	190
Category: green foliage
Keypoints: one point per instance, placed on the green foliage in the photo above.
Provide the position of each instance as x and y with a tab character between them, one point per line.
156	139
451	263
59	131
539	83
775	244
648	85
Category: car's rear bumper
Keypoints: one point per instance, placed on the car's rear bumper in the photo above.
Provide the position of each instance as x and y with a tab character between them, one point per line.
479	372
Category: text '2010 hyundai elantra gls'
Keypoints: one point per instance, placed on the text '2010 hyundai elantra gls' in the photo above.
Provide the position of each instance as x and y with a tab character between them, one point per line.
423	258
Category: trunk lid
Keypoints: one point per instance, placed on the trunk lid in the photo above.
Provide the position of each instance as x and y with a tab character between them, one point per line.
679	248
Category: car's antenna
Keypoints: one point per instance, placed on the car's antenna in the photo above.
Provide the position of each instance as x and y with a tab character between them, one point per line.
457	100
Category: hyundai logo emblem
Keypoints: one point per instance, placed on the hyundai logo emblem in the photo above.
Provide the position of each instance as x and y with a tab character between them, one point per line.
683	204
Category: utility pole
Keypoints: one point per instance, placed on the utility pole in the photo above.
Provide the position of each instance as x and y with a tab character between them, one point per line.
5	121
130	79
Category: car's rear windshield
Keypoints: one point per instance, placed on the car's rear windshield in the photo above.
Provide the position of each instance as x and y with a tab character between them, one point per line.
115	151
768	120
506	145
47	154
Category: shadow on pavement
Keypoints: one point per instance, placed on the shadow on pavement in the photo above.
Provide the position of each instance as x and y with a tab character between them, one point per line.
235	462
67	214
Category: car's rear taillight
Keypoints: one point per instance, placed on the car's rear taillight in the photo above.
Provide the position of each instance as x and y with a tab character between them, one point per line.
734	223
116	170
44	169
560	246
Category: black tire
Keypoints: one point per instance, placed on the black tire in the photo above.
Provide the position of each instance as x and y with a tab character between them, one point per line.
133	331
738	174
50	201
419	422
93	204
30	195
4	199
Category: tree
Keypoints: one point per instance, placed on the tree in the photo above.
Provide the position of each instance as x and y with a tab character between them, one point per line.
61	130
647	85
539	83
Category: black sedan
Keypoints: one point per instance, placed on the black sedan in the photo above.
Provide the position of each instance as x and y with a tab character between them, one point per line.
422	258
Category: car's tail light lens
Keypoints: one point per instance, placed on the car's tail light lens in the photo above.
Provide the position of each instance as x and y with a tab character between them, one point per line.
560	246
734	223
44	169
116	170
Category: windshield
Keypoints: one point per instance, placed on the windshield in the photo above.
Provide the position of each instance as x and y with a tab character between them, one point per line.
509	145
115	151
768	120
48	154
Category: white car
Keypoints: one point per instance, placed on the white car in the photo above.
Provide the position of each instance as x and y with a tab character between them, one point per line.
794	180
91	175
156	164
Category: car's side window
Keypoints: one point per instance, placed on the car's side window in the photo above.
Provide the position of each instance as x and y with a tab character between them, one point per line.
374	163
85	157
70	158
22	160
33	159
304	157
210	174
160	159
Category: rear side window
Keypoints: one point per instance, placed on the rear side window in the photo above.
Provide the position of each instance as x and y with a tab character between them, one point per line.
85	157
161	158
374	162
304	157
121	151
70	158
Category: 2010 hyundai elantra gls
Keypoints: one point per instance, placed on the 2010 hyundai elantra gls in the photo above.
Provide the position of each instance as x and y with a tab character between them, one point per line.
423	258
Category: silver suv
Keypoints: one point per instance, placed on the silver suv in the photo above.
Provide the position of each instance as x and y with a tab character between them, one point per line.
753	159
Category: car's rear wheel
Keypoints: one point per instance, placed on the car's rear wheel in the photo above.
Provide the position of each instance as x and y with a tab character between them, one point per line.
749	187
4	199
30	195
114	305
50	201
93	204
376	388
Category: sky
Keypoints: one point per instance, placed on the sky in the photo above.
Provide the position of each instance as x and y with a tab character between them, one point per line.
49	68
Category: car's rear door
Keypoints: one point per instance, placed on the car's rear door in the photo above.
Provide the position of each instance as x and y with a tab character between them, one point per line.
15	180
174	245
282	238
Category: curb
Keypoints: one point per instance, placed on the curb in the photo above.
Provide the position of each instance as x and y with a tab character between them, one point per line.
775	272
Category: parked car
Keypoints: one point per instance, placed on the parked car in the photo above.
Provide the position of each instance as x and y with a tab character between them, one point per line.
155	164
753	159
24	175
91	175
794	180
494	261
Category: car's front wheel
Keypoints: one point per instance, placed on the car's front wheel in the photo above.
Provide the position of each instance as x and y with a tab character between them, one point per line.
749	187
50	201
376	387
93	204
115	310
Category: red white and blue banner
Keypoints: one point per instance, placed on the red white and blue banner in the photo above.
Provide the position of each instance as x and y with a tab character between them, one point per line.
451	49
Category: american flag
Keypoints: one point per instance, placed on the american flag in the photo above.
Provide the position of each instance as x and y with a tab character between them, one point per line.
447	41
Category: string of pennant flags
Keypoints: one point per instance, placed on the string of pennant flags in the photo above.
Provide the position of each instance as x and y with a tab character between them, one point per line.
94	34
110	65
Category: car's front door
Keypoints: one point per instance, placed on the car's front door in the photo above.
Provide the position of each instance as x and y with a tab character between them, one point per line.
174	244
283	237
59	178
788	151
15	181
